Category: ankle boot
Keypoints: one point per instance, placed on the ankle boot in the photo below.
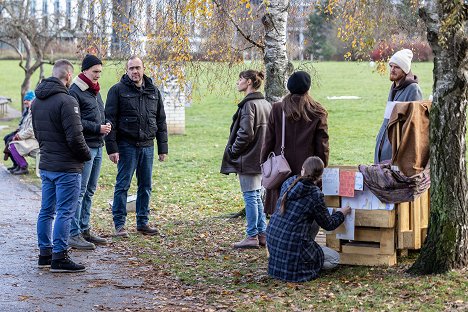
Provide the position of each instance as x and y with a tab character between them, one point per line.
12	168
93	237
20	171
61	263
45	258
247	243
262	239
78	242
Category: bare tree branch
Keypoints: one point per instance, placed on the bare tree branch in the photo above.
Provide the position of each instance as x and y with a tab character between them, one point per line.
243	34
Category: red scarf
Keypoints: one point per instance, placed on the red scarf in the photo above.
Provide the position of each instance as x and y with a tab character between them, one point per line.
94	87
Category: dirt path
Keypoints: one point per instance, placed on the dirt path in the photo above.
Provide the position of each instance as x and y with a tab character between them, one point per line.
114	280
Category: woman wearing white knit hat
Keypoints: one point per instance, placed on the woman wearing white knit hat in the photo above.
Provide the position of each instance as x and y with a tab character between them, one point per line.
404	88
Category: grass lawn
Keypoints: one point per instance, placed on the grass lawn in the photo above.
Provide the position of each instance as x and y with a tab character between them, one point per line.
190	197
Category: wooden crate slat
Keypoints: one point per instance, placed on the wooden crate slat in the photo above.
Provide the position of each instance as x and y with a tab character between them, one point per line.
406	240
416	222
368	260
404	223
375	218
333	201
332	242
361	248
425	203
387	241
366	234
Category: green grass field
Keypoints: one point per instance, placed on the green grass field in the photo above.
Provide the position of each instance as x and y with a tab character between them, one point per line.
190	197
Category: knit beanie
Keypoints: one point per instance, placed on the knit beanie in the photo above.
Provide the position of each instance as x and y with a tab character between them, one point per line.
403	59
29	96
299	82
89	61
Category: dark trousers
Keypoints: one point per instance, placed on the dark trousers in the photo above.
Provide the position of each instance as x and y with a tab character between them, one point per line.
8	138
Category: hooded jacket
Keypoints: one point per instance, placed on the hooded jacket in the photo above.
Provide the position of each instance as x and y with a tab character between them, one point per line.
407	91
137	116
249	123
57	127
92	112
294	254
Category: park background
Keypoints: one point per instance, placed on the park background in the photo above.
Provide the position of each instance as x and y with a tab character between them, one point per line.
191	199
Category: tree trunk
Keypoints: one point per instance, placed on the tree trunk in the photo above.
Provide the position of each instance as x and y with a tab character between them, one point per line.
277	66
446	246
41	74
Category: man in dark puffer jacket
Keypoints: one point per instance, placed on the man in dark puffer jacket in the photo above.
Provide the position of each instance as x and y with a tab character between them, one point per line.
135	109
57	127
85	89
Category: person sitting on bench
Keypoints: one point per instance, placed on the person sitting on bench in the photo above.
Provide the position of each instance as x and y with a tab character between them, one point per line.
23	142
28	97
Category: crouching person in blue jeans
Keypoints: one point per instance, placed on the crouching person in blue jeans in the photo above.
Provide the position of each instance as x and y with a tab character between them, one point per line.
294	254
57	127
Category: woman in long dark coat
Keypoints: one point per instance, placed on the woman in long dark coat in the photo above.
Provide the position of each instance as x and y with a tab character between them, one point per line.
306	131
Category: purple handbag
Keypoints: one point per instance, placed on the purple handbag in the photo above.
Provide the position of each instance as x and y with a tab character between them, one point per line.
275	170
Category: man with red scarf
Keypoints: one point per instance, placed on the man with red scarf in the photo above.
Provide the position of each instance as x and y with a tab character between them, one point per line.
85	89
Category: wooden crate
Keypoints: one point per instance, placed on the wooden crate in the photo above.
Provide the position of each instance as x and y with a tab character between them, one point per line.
374	239
412	222
380	233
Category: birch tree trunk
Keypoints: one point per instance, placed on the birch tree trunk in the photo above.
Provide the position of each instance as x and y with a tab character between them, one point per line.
277	66
446	246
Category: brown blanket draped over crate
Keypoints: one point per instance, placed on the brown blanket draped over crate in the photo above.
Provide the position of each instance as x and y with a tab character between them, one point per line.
391	186
408	132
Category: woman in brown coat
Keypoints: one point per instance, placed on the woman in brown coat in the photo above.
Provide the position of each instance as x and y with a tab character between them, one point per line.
242	154
306	130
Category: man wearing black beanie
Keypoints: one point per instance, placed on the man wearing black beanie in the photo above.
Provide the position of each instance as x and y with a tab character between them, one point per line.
85	89
89	61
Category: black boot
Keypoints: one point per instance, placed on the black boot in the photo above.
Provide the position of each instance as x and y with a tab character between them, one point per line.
45	258
20	171
61	263
12	168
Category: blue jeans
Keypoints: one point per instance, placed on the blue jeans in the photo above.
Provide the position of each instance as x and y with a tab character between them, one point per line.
256	220
89	179
133	158
60	192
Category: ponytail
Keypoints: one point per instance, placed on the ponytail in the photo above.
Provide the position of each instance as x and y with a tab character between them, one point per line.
312	169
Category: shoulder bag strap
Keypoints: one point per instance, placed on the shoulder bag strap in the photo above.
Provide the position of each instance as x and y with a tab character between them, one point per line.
282	133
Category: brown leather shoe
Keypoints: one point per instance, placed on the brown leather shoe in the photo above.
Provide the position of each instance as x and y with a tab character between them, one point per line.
247	243
121	232
262	239
147	230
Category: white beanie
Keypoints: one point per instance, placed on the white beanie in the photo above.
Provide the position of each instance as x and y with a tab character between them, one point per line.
403	59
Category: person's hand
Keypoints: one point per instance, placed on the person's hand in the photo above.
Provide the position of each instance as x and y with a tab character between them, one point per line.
16	137
114	157
162	157
345	211
105	129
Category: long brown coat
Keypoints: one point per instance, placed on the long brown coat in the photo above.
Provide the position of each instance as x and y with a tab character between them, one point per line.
302	140
408	133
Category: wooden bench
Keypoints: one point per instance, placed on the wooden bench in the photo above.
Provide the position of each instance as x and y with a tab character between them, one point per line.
37	156
4	101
